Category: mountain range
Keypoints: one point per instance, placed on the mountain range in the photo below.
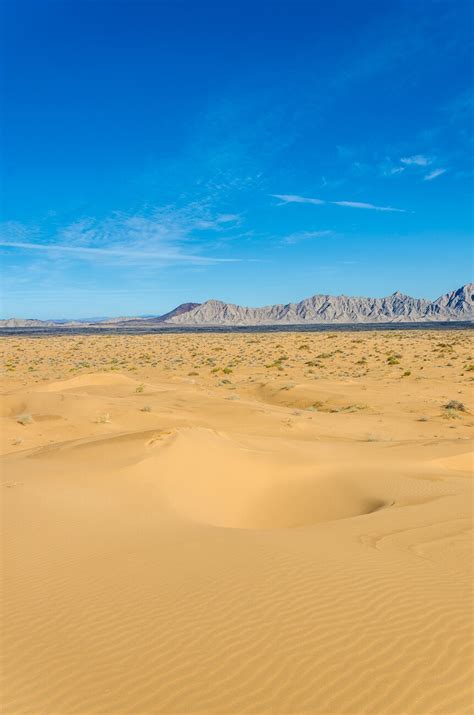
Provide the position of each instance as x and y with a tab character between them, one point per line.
458	305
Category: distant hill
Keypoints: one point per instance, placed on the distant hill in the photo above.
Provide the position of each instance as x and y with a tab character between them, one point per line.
180	310
454	306
27	323
457	305
102	322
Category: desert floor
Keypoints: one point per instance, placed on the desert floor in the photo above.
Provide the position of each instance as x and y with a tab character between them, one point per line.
254	523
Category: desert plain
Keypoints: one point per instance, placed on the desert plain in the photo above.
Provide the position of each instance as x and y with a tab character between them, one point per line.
265	523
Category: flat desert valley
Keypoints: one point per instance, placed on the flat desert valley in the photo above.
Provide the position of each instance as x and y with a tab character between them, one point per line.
265	523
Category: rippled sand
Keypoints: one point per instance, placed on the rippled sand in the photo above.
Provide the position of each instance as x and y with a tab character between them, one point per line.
223	524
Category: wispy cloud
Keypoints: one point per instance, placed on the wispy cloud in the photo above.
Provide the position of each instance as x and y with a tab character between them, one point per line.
361	205
418	163
304	236
292	199
166	235
394	170
416	159
87	252
218	223
433	174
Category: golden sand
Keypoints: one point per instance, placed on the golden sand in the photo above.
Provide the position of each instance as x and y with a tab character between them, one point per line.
226	524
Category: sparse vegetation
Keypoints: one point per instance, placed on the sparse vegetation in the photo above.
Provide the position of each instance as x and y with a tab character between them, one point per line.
451	414
25	419
103	419
455	405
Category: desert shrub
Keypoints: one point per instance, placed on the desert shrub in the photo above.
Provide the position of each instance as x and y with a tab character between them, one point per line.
103	419
24	419
455	405
451	414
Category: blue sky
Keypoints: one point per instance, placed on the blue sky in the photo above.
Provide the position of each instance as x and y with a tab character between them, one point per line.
162	152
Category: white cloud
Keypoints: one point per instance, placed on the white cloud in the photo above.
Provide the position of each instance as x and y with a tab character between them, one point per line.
361	205
166	235
417	159
292	199
218	223
304	236
119	252
228	218
395	170
433	174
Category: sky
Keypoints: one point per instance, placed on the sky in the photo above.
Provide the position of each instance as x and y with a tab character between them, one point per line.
155	153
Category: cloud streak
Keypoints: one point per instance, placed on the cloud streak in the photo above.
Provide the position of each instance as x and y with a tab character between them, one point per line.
416	159
167	235
294	199
119	252
433	174
418	162
304	236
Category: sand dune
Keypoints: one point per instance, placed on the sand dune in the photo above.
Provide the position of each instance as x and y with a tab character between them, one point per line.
247	539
